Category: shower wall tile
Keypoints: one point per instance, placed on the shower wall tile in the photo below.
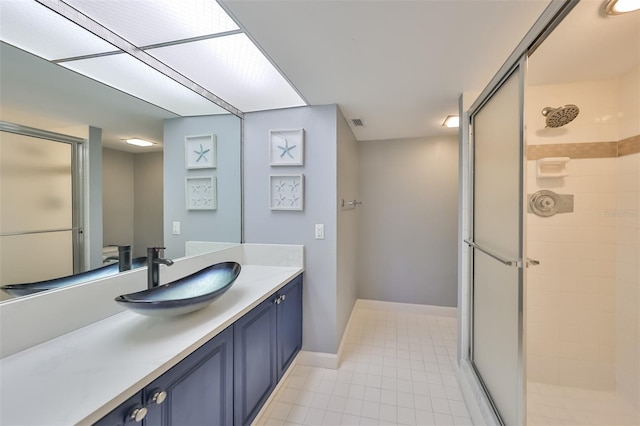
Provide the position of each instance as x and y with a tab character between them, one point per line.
629	104
571	299
627	335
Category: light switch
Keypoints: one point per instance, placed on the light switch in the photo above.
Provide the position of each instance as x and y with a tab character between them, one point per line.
176	228
319	231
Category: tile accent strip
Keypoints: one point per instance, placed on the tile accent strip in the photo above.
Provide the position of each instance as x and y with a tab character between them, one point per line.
573	150
629	146
626	146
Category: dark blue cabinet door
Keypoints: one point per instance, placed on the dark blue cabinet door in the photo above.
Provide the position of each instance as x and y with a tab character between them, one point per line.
118	417
289	322
199	390
255	374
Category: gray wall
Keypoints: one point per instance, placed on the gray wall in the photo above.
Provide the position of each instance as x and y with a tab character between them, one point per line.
297	227
348	224
117	197
408	245
223	224
148	202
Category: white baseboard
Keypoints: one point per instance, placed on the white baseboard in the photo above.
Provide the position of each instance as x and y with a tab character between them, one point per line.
377	305
319	359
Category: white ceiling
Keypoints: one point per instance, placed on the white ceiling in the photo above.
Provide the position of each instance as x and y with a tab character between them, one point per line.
398	65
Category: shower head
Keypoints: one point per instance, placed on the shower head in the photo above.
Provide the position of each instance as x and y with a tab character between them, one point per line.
558	117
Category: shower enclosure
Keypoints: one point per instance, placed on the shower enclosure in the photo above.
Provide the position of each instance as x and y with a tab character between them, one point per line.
550	291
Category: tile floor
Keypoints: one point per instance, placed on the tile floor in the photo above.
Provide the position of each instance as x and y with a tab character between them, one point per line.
397	369
552	405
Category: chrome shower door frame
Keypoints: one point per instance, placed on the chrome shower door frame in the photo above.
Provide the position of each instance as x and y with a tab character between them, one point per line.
506	260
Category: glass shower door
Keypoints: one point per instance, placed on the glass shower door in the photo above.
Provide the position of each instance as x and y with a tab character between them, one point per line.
497	242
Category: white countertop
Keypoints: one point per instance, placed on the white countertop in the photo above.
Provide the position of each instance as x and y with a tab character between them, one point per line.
83	375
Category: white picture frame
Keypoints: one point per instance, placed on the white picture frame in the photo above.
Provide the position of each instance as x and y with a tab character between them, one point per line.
200	151
286	192
286	147
201	193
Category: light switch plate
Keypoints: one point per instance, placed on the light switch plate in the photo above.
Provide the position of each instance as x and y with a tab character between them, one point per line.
176	228
319	231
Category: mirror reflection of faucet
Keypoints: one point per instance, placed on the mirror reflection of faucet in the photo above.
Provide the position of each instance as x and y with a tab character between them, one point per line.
153	266
123	258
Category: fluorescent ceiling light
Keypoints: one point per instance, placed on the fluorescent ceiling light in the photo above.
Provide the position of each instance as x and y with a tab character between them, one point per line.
195	38
451	121
139	142
126	73
618	7
234	69
38	30
150	22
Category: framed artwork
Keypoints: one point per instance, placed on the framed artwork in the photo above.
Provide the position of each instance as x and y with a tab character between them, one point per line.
286	147
286	192
200	151
201	193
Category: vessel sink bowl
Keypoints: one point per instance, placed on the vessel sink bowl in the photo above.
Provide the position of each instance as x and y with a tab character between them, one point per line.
101	272
185	295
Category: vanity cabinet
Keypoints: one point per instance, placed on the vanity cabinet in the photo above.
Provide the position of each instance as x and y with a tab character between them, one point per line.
228	379
198	391
266	340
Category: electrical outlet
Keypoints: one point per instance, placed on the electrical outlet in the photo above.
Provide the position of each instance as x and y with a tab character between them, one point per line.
319	231
176	228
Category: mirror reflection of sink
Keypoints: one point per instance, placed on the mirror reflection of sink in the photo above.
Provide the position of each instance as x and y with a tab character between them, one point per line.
94	274
185	295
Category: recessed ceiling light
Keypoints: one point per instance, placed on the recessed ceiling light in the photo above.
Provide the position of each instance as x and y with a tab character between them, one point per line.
451	121
139	142
618	7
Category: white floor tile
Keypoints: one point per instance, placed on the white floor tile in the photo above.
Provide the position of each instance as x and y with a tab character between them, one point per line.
314	417
370	410
298	414
337	403
353	406
396	370
388	413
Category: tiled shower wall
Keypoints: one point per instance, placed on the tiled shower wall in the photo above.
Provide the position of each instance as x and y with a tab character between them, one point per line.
571	295
627	216
628	243
583	299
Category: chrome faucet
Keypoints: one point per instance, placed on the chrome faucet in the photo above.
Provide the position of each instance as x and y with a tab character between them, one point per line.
153	266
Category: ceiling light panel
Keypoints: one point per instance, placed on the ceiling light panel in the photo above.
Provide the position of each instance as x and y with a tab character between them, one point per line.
147	22
234	69
38	30
129	75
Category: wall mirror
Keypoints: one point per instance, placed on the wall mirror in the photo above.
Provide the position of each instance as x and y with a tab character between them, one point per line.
137	196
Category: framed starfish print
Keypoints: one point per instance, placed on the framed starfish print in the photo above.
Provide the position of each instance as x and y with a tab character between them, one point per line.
201	193
200	151
286	147
286	192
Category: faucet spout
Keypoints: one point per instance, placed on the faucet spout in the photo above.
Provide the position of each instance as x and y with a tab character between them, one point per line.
153	266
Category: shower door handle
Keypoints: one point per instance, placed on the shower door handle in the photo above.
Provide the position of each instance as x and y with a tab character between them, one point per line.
532	262
504	261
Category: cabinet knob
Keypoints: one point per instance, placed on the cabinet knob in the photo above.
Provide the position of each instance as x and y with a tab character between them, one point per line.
157	396
284	296
137	414
277	300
